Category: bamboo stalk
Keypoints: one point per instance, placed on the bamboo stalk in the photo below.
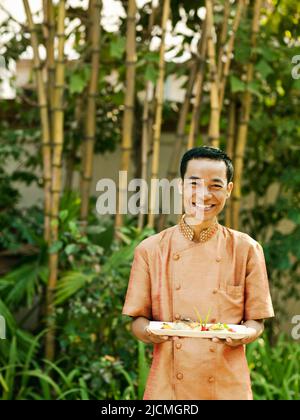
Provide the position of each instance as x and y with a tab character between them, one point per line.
224	72
145	146
214	124
146	131
50	61
43	108
158	114
90	124
230	152
71	157
58	140
180	134
128	117
198	90
223	36
244	119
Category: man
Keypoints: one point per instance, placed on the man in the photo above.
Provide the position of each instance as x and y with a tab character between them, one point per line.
199	264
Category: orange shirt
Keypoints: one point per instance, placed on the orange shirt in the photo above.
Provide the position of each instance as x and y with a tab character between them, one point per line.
170	276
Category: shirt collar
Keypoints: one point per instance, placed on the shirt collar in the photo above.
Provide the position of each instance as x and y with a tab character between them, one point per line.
186	230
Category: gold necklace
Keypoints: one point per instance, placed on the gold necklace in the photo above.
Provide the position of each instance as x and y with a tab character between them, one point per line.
189	233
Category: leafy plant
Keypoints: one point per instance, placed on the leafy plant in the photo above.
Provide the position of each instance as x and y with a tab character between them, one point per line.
275	371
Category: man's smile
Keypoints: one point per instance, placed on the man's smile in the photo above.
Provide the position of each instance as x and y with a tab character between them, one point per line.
205	207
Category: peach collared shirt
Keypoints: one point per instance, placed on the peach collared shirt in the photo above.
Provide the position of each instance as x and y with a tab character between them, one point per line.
170	276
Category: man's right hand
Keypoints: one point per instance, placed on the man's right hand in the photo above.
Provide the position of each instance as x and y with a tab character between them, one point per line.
154	338
140	328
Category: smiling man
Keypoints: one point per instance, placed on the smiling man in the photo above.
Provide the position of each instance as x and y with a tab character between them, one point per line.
199	264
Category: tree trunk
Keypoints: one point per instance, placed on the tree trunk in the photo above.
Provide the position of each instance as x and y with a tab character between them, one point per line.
90	122
244	119
214	124
58	137
158	114
128	118
43	107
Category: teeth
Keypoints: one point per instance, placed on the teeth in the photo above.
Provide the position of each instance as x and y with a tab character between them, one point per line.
201	206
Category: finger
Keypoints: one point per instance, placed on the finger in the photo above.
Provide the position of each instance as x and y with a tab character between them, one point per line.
215	340
234	343
229	340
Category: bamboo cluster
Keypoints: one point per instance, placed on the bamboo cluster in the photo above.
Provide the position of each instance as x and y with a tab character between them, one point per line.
50	94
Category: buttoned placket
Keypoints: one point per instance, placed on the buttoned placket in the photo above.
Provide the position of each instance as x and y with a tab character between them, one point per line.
178	375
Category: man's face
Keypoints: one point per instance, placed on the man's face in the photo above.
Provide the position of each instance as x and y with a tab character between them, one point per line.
205	189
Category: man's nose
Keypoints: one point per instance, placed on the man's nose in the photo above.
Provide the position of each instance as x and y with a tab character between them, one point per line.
202	194
206	193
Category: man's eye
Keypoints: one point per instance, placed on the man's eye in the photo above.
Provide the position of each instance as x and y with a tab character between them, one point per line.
219	186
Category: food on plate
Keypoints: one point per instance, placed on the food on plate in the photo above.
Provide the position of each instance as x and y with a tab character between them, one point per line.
179	325
187	323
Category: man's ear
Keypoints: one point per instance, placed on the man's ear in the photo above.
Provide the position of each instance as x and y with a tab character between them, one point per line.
229	189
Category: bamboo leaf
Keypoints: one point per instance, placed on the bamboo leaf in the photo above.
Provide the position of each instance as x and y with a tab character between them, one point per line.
236	84
117	47
264	69
55	247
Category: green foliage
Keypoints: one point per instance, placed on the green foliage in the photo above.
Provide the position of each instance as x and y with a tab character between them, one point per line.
275	371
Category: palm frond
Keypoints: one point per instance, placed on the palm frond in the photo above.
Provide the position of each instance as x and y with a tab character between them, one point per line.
21	285
70	283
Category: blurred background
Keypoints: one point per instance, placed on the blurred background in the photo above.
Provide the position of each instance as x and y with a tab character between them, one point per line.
90	88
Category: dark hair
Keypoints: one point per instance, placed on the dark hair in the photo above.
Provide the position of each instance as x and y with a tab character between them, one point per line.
206	152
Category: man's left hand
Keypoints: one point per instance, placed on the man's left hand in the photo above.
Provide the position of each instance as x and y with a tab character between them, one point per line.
257	328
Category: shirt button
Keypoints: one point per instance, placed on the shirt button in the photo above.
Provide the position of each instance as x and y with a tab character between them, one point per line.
178	287
212	350
176	257
218	259
213	321
215	291
211	380
178	346
179	376
177	316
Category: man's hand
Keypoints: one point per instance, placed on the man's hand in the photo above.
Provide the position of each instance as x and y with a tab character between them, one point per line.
141	331
258	328
157	339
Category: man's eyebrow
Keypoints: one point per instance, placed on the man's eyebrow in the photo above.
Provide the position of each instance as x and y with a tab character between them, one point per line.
217	180
194	177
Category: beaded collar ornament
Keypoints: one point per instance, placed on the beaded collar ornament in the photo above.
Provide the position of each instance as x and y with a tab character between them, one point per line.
189	233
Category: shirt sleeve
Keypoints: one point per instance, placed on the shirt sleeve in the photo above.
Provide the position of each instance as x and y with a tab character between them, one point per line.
138	296
258	303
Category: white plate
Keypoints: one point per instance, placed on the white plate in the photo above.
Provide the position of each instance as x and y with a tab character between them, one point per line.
240	331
